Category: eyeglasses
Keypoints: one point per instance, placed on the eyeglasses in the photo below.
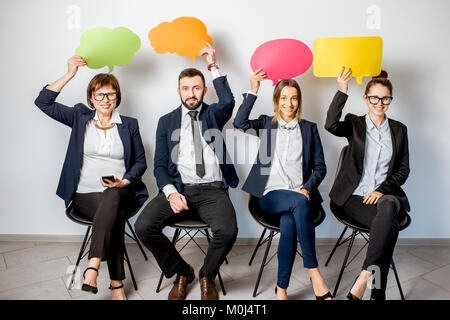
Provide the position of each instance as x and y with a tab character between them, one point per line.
111	96
384	100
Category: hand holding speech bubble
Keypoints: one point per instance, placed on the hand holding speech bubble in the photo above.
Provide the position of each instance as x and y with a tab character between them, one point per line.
282	59
101	47
183	36
361	54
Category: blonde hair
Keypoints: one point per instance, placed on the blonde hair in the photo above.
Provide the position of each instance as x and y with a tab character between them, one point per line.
276	98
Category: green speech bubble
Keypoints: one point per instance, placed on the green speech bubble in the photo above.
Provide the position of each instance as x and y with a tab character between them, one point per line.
101	47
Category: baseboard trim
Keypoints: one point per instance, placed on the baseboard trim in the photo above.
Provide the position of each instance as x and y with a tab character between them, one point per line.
202	240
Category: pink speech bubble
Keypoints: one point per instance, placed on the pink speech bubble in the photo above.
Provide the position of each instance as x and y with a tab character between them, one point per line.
282	59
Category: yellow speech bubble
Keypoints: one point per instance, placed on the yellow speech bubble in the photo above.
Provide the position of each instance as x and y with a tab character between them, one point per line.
361	54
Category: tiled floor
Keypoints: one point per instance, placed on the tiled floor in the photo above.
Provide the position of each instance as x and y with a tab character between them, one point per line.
37	270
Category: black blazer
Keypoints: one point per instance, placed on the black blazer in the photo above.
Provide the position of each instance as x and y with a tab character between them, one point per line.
213	117
76	118
354	129
314	168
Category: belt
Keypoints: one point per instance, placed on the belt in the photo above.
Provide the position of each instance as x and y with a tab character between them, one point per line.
216	184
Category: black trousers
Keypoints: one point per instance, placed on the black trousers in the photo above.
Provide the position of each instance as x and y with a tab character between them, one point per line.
212	205
382	219
107	210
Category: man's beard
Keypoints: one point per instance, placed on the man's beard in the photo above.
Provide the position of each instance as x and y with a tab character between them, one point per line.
195	106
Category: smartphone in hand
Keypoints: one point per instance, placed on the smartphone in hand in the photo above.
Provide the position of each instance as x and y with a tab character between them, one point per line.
110	178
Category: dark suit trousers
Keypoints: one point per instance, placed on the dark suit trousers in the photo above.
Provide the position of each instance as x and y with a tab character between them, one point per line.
382	219
107	210
212	205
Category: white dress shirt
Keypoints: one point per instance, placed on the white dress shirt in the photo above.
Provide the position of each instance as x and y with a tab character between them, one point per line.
377	156
286	172
102	155
186	154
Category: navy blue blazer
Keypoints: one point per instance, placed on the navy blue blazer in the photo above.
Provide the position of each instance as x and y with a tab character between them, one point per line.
213	117
76	118
314	168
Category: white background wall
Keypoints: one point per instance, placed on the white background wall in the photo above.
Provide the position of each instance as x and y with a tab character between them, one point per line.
36	43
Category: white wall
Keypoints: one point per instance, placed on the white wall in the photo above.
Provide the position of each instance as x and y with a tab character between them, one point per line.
36	44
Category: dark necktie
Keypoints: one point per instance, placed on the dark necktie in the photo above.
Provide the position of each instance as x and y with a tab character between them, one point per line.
198	149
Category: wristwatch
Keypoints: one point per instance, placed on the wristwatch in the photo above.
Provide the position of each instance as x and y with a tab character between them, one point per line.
213	65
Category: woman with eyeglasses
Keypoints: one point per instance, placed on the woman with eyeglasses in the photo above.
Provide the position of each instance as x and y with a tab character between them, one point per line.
374	166
105	144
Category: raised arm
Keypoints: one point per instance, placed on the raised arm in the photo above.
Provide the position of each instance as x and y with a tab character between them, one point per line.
223	109
46	99
333	123
241	121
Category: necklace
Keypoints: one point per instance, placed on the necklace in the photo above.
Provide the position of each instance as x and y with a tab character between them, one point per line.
104	128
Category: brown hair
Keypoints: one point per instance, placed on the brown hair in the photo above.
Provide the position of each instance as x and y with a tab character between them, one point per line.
380	79
189	73
101	80
276	98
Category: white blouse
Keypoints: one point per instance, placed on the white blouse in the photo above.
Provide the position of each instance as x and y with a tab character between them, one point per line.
286	172
102	155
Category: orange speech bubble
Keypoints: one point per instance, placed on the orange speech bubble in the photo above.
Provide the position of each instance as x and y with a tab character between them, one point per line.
183	36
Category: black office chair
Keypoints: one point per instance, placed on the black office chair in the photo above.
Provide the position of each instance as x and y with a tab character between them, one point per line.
272	222
357	229
72	214
188	224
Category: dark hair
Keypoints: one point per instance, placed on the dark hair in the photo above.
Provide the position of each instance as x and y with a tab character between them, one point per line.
189	73
380	79
101	80
276	98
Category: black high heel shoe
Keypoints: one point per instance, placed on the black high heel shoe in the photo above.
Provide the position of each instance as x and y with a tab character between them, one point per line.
325	296
86	287
350	295
115	288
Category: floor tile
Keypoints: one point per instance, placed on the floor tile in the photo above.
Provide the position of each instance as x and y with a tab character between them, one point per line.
30	274
41	253
46	290
6	246
437	255
440	277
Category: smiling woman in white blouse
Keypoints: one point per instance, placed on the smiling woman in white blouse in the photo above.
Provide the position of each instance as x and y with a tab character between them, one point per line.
375	165
101	175
285	177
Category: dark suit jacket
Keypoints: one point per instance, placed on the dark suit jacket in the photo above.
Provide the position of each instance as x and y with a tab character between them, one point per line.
354	129
314	168
212	117
76	118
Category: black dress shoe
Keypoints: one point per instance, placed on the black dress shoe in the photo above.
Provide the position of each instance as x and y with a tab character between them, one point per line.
86	287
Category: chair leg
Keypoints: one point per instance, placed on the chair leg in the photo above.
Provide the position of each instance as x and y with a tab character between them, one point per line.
129	267
344	264
338	243
137	240
269	243
83	246
208	237
174	241
257	246
398	280
221	283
